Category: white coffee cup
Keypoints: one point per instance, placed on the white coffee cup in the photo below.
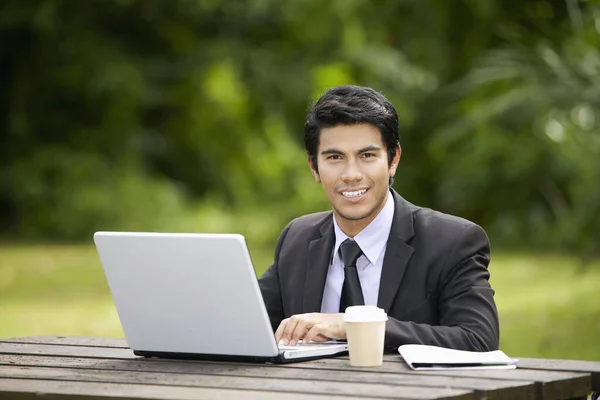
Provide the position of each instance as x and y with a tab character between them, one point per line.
365	332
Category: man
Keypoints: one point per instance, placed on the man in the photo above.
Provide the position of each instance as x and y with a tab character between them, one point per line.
426	269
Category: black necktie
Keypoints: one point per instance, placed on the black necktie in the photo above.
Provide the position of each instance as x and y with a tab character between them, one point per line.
351	291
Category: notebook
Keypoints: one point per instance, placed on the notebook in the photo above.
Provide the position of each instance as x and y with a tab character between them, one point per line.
193	296
422	357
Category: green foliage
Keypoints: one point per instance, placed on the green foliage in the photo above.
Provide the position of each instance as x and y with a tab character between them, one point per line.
162	115
527	121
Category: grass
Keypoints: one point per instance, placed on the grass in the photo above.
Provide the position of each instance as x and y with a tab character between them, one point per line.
548	308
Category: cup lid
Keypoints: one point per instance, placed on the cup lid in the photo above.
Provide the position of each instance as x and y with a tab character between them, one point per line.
364	314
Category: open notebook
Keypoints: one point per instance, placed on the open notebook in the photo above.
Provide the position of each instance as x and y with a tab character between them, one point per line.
421	357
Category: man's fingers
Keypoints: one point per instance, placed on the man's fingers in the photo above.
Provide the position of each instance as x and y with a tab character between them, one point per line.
307	327
301	328
316	334
321	338
280	329
289	329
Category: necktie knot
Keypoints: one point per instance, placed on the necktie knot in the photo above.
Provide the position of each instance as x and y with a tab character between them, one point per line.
350	251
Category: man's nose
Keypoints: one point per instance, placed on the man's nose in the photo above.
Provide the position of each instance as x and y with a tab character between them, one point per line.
352	172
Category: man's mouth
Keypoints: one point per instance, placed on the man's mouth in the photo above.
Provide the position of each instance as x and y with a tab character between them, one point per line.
354	193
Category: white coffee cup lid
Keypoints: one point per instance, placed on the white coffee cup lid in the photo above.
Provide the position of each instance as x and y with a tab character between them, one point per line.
364	314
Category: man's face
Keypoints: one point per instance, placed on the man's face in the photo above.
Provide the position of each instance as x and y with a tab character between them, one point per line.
354	172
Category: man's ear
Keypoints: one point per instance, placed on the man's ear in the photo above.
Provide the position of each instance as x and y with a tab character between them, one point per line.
395	161
314	170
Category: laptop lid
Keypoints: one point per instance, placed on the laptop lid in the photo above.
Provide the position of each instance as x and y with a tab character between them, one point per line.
186	293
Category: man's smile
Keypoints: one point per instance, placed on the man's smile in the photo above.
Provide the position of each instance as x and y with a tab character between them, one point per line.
353	195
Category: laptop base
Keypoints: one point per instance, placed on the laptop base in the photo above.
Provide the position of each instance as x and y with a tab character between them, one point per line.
279	359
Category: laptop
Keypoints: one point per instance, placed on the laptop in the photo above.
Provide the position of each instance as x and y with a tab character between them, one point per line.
193	296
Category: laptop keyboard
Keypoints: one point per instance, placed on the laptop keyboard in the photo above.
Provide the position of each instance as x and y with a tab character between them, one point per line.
306	346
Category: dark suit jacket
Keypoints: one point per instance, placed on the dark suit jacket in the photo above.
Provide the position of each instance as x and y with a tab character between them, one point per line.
434	282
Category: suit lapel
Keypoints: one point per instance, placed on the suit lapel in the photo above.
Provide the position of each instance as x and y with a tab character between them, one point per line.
397	253
319	256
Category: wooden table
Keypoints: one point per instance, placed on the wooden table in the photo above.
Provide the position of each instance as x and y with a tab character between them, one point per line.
98	368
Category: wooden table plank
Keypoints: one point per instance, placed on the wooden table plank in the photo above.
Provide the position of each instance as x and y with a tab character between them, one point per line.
549	385
488	387
234	382
66	350
70	341
592	367
485	388
27	389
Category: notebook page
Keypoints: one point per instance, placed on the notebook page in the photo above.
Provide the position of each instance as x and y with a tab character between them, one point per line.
433	357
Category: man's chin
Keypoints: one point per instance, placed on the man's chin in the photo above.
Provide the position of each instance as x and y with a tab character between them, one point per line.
353	215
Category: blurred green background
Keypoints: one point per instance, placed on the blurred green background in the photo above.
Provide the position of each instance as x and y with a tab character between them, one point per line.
187	116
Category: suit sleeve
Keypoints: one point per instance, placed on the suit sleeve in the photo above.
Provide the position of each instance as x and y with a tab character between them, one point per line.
468	319
270	287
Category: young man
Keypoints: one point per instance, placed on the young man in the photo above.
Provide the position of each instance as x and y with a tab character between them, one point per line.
426	269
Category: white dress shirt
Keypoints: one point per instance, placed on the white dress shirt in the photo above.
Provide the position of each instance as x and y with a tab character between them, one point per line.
373	242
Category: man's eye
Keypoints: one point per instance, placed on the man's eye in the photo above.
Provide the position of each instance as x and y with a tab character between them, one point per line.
333	157
368	155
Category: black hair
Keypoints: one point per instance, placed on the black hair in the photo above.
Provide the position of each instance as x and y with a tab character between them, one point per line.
349	105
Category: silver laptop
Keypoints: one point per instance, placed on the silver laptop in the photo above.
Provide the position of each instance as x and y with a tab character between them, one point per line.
193	296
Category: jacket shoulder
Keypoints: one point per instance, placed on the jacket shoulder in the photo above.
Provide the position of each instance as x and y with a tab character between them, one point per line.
446	233
426	218
310	222
299	232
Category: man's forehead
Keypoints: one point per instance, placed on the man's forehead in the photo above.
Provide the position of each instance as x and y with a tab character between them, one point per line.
333	149
350	137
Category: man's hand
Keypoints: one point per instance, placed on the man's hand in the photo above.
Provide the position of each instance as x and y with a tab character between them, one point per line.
317	327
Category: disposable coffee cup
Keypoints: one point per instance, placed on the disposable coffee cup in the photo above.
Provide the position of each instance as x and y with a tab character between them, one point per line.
365	332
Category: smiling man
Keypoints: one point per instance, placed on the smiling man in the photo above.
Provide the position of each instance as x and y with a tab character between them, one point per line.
426	269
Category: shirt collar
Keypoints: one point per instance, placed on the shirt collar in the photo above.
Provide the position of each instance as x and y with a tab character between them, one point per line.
373	238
